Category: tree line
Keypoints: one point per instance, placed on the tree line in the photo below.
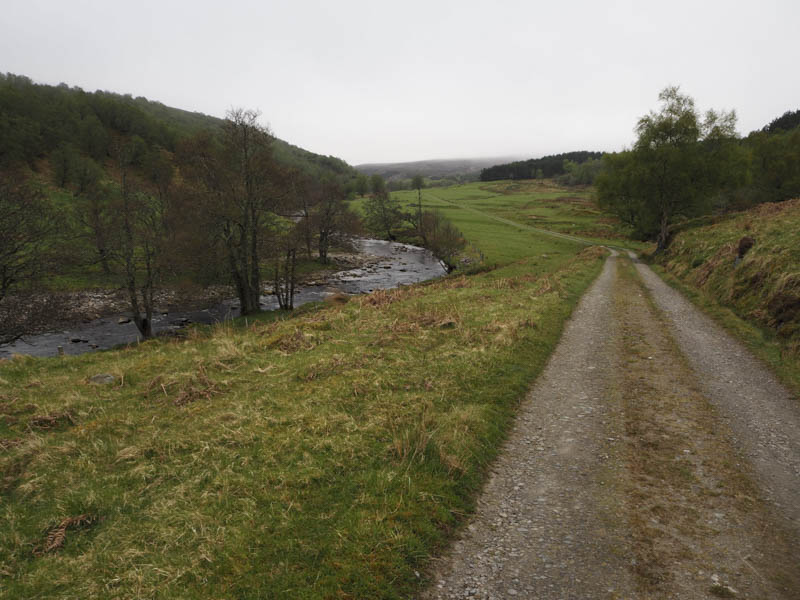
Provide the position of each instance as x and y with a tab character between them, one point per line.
218	207
685	164
537	168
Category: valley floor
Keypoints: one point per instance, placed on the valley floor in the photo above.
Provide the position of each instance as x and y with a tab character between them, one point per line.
652	459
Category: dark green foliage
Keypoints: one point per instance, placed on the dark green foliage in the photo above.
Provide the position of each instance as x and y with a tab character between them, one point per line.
382	210
581	173
361	185
775	166
677	164
787	121
36	120
536	168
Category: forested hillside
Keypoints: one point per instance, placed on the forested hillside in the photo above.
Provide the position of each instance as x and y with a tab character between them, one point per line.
537	168
37	121
436	172
101	187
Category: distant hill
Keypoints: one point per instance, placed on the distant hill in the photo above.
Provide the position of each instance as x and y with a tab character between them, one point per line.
454	170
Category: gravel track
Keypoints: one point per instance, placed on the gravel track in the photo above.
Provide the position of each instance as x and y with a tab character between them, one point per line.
547	525
763	414
653	458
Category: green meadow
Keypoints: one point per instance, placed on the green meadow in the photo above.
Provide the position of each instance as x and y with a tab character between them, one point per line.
325	453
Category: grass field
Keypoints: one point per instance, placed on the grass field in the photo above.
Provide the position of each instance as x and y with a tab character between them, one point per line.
536	204
324	454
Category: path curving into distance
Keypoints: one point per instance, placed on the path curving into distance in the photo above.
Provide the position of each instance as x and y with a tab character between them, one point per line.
632	471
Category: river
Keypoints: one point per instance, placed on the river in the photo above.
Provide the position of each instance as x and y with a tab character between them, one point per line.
396	264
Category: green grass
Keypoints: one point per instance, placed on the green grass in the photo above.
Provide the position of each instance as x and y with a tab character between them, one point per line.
327	453
534	204
757	298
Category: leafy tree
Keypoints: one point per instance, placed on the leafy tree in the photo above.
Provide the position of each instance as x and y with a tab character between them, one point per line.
332	218
786	122
677	163
581	173
383	212
775	165
29	234
361	185
63	162
377	185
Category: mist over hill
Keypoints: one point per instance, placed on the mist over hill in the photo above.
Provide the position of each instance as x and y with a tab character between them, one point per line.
452	170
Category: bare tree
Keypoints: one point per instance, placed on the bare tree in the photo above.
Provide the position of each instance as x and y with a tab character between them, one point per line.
242	189
141	240
28	227
444	239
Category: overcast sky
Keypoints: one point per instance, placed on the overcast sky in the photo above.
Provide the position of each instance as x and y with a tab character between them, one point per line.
373	81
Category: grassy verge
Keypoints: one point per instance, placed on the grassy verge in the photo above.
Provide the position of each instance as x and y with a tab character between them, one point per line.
325	454
760	340
755	296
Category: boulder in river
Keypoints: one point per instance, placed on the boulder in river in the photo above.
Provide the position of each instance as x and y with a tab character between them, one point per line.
123	320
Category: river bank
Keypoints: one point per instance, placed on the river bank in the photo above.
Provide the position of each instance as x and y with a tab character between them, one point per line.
100	319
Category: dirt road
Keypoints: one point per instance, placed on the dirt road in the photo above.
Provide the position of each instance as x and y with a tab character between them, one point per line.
652	459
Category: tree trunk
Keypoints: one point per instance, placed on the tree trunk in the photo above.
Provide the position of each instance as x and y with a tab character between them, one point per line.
420	228
662	241
285	280
323	248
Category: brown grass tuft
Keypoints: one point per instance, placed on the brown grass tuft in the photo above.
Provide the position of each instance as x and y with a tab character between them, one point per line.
57	536
337	299
51	421
5	444
199	387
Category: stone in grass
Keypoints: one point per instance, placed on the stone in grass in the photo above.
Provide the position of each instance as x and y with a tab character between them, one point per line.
102	379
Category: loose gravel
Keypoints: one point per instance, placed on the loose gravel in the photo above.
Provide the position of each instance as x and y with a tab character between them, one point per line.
763	414
654	458
547	525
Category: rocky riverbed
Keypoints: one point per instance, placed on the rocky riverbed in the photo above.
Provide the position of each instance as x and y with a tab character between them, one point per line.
94	320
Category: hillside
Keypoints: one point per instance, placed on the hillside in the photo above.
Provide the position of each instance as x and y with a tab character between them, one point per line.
749	262
536	168
37	120
456	170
